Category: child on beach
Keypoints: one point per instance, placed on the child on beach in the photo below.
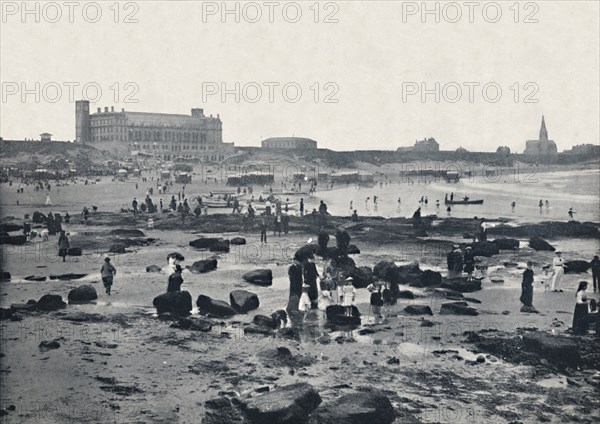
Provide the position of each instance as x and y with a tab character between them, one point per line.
388	299
376	300
304	305
108	271
346	295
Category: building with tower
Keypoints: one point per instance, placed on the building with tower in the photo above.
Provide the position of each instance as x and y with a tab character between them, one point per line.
542	146
160	135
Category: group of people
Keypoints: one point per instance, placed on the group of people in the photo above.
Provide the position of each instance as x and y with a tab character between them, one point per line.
459	262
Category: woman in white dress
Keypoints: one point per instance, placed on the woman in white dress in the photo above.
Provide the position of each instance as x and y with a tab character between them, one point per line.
346	295
48	201
559	271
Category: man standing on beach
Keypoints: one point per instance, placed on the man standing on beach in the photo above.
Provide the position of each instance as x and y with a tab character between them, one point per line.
527	289
134	205
108	271
595	265
310	278
295	275
63	245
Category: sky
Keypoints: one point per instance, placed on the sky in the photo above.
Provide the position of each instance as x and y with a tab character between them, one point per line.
365	76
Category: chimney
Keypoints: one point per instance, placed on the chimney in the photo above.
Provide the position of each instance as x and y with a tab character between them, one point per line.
99	110
112	108
106	109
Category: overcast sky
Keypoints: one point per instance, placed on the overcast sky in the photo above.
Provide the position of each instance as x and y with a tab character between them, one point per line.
368	60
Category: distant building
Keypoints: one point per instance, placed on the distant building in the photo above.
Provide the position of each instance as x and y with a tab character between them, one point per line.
46	137
584	149
543	146
288	143
162	135
425	145
503	150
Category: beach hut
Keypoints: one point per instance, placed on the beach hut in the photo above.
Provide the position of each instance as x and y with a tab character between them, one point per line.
183	178
122	174
452	177
165	174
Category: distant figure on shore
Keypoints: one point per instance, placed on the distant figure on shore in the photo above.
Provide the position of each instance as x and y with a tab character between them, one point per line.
416	218
351	204
580	316
367	203
150	224
354	217
263	229
558	264
399	204
527	289
451	197
301	206
595	265
449	210
541	205
437	205
108	271
512	206
134	205
571	213
63	245
547	205
175	280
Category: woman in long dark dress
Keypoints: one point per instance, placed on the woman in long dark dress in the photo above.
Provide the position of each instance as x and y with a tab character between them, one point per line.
580	317
527	289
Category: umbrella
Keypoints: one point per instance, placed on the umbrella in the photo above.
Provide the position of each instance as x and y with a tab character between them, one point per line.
178	256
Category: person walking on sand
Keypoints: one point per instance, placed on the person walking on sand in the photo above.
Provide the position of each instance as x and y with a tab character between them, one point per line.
558	263
512	206
48	201
295	276
580	316
571	213
263	230
108	271
63	245
595	265
527	289
175	280
134	205
310	277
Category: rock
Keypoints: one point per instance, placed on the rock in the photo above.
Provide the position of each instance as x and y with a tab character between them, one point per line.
289	404
83	317
511	264
497	280
10	227
260	277
484	248
221	246
336	315
178	303
35	278
237	241
306	251
462	285
342	267
82	294
576	267
243	301
405	294
203	266
69	276
222	411
386	271
50	302
258	329
13	240
392	360
127	232
16	317
363	276
448	294
480	359
178	256
356	408
264	321
558	350
538	243
418	310
5	276
118	248
153	268
205	242
46	345
428	279
27	307
214	308
5	313
507	243
193	324
74	251
457	308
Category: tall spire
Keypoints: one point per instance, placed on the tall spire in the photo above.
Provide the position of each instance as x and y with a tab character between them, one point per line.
543	130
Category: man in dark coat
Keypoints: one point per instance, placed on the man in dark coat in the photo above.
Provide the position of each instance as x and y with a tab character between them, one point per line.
295	274
322	239
527	289
342	238
310	278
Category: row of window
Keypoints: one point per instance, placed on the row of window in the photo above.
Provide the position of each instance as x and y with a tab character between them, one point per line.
171	147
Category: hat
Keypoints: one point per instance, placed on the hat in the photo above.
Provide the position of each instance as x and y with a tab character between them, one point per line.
468	247
558	252
106	259
455	246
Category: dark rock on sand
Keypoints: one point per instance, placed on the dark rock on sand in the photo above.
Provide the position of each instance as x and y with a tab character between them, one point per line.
118	248
260	277
221	410
82	294
221	246
448	294
69	276
22	307
363	276
178	303
35	278
289	404
258	329
506	243
153	268
428	279
193	324
457	308
127	232
13	240
485	248
356	408
575	267
559	350
10	227
74	251
336	315
50	302
204	242
264	321
243	301
5	276
203	266
237	241
178	256
418	310
5	313
386	271
214	308
46	345
405	294
538	243
462	285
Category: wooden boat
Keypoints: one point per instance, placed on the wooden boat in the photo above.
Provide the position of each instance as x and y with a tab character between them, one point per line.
464	202
217	204
262	206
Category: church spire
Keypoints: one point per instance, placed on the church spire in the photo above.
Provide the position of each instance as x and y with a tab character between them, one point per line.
543	130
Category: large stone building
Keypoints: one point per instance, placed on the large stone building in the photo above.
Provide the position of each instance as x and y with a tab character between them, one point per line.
161	135
288	143
426	145
543	146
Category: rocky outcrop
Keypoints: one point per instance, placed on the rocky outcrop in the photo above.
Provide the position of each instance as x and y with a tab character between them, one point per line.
260	277
258	329
363	276
538	243
484	248
13	240
428	279
291	404
69	276
237	241
83	294
418	310
35	278
221	246
392	273
461	285
457	308
214	308
243	301
193	324
50	302
127	232
336	316
118	248
205	242
577	267
559	350
203	266
178	303
507	243
356	408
